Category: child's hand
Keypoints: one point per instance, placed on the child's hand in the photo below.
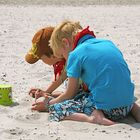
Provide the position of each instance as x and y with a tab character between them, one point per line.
40	105
36	93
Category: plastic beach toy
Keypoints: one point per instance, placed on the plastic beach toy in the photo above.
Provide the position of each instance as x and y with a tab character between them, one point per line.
5	95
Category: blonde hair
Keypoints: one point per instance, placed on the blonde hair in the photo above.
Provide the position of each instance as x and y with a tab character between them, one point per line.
66	29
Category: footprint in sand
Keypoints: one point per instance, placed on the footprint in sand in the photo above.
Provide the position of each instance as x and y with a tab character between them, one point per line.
33	118
13	133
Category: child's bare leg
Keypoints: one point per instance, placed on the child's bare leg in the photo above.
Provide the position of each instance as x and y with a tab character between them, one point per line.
79	117
97	117
136	112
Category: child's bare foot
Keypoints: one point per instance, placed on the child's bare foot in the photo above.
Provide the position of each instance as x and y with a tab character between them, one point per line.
136	112
98	117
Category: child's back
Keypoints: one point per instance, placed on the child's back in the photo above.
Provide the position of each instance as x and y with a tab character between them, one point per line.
102	67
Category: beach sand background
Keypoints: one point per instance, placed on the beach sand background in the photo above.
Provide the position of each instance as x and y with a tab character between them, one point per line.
115	20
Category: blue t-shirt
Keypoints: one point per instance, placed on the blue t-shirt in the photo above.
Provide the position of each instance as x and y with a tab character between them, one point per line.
101	66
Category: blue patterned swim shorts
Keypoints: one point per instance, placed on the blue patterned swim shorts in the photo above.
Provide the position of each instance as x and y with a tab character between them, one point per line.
80	104
83	103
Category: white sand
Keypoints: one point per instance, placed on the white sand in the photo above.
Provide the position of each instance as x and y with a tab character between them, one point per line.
17	26
69	2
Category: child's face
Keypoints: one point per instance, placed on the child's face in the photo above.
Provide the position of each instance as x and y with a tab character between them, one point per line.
50	60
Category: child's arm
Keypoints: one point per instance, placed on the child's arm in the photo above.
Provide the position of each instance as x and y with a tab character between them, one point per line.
73	86
55	84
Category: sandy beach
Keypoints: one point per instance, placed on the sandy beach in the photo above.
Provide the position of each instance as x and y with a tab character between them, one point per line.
70	2
18	23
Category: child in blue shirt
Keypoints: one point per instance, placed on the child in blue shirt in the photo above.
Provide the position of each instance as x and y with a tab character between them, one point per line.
101	66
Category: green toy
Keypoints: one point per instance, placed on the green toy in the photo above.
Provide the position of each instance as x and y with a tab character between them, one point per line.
5	95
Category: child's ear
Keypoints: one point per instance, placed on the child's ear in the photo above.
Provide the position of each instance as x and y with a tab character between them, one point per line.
65	42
